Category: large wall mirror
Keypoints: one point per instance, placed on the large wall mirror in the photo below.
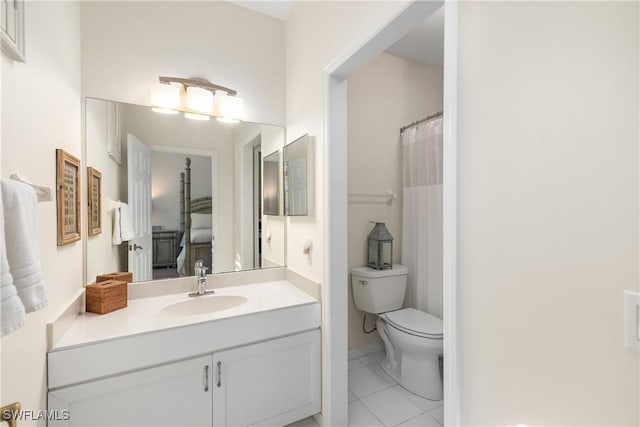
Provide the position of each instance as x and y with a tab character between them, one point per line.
177	190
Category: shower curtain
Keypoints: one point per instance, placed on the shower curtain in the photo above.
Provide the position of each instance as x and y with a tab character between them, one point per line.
422	215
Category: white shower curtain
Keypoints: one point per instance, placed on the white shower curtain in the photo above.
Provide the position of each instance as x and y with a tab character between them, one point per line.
422	216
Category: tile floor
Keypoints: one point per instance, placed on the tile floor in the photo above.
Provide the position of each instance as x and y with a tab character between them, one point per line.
375	399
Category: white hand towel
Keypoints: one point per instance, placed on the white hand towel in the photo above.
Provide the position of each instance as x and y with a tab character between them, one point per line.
127	231
21	234
11	308
116	238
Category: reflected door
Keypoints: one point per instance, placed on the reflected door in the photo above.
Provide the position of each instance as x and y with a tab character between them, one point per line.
296	187
139	196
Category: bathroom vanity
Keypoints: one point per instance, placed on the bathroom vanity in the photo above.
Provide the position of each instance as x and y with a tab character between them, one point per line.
248	355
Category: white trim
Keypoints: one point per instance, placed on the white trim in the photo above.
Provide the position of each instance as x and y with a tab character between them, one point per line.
214	175
334	348
334	296
452	402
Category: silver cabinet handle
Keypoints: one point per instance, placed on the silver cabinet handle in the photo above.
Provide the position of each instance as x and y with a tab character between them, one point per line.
206	378
219	373
363	282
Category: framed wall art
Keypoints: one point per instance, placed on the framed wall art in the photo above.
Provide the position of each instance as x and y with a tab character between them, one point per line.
94	186
68	197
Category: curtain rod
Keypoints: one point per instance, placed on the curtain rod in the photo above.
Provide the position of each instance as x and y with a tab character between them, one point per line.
417	122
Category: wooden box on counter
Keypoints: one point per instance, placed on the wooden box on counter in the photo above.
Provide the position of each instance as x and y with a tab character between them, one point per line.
106	296
123	276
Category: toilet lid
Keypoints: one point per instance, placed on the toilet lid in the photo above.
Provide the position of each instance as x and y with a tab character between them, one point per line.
416	322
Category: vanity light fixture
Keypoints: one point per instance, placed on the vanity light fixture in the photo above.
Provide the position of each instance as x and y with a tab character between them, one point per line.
202	99
165	98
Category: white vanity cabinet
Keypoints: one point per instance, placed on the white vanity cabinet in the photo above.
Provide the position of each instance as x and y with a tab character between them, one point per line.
272	382
174	394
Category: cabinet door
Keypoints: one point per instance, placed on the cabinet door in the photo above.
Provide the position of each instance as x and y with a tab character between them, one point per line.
275	382
176	394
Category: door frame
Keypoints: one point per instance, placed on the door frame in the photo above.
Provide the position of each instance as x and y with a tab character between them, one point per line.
334	349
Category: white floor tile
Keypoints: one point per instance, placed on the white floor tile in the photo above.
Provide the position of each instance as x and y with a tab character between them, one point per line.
378	370
374	358
422	420
425	404
307	422
355	364
438	414
352	397
359	416
391	407
364	381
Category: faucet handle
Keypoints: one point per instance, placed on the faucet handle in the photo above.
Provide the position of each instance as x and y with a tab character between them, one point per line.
202	271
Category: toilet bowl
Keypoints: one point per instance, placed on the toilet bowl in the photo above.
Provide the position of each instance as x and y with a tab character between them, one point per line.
413	339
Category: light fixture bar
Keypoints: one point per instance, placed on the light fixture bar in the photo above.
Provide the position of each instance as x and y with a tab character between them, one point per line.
197	83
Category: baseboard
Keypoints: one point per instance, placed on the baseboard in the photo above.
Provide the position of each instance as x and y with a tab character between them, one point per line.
363	351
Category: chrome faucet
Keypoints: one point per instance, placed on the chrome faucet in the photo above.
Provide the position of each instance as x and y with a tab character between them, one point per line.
201	277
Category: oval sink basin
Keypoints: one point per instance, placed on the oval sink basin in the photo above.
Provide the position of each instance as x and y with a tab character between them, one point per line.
203	305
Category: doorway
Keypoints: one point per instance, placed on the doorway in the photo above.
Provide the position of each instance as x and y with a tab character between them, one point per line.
336	267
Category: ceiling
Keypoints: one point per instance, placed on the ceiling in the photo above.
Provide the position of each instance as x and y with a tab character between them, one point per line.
276	9
424	43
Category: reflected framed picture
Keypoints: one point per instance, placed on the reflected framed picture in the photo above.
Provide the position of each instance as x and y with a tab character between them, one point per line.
68	197
114	145
94	179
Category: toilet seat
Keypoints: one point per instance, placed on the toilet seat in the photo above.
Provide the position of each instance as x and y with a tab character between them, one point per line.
415	322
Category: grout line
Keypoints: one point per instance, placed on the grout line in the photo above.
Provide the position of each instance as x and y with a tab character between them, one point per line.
369	410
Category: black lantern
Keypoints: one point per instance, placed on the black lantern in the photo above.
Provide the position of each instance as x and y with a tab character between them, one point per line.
380	247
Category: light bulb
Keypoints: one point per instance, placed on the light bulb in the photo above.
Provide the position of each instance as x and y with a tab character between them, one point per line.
165	96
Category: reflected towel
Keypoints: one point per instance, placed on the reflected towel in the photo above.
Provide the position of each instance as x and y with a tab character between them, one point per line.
116	237
11	308
21	234
126	225
122	225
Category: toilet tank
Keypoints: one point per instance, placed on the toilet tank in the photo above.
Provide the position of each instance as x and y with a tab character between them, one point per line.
379	291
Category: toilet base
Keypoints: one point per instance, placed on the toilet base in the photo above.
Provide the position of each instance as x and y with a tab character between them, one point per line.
421	376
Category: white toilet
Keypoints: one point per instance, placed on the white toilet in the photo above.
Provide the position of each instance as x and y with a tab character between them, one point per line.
412	338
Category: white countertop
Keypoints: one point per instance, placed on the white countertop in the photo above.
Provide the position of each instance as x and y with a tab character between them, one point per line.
143	315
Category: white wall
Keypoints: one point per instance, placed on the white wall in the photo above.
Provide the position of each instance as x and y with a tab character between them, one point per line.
411	91
165	185
307	55
548	211
126	46
41	112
